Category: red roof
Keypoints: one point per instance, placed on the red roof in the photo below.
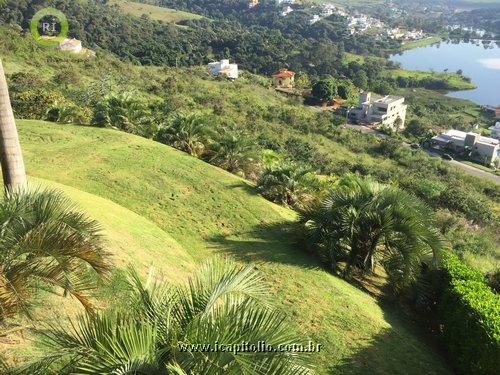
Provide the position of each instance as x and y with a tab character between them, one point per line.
497	112
284	73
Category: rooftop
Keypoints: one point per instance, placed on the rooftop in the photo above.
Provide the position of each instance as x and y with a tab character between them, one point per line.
284	73
460	135
389	99
72	42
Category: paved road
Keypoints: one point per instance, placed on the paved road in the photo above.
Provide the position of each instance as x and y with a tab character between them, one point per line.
476	172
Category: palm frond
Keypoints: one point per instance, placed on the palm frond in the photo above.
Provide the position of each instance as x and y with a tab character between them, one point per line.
44	237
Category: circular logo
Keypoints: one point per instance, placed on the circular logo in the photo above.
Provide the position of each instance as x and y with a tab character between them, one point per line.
49	27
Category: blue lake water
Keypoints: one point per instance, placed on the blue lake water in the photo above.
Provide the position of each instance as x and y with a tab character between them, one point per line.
481	64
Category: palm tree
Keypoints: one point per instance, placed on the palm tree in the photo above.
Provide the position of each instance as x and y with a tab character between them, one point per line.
223	304
286	184
128	113
361	221
43	239
186	132
232	151
14	175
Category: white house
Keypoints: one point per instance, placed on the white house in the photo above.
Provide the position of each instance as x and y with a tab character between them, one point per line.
315	19
495	130
253	3
223	67
286	11
71	45
384	111
483	149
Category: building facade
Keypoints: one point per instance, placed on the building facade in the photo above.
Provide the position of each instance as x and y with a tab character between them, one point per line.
482	149
495	130
224	68
389	111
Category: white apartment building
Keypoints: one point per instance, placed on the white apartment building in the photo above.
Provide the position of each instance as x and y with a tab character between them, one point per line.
384	111
223	67
483	149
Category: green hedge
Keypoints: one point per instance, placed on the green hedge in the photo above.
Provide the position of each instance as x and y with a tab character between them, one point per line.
469	313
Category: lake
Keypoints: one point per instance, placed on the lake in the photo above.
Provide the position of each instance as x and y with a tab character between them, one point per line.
481	64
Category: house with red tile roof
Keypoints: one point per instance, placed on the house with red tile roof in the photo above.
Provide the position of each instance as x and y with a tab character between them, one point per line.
284	78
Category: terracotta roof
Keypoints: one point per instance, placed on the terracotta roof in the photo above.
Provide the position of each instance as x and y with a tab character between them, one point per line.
284	73
497	112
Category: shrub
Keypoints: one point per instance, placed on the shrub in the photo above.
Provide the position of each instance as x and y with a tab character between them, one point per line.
467	201
469	313
34	104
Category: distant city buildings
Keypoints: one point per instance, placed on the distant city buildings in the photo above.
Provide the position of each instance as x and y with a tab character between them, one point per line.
224	68
389	111
359	23
483	149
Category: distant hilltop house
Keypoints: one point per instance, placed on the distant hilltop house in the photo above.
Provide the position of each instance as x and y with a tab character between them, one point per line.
483	149
384	111
495	130
71	45
224	68
314	19
253	3
284	78
286	11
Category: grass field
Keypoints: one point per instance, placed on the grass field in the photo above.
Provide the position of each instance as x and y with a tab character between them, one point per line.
420	43
154	12
194	211
453	80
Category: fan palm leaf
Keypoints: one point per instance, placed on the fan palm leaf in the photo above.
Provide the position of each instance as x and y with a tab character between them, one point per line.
43	237
223	303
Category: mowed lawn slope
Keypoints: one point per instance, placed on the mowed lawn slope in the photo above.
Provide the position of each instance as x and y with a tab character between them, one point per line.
207	211
154	12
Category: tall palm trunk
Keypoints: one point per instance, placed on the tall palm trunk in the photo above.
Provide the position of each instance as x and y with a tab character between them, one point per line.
11	157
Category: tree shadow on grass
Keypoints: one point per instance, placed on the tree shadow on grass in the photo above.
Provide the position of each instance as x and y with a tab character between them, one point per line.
389	353
399	349
276	242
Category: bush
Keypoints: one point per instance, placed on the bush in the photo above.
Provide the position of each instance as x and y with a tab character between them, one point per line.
469	313
34	104
467	201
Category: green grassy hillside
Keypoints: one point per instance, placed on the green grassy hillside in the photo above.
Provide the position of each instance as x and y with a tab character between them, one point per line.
184	211
154	12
